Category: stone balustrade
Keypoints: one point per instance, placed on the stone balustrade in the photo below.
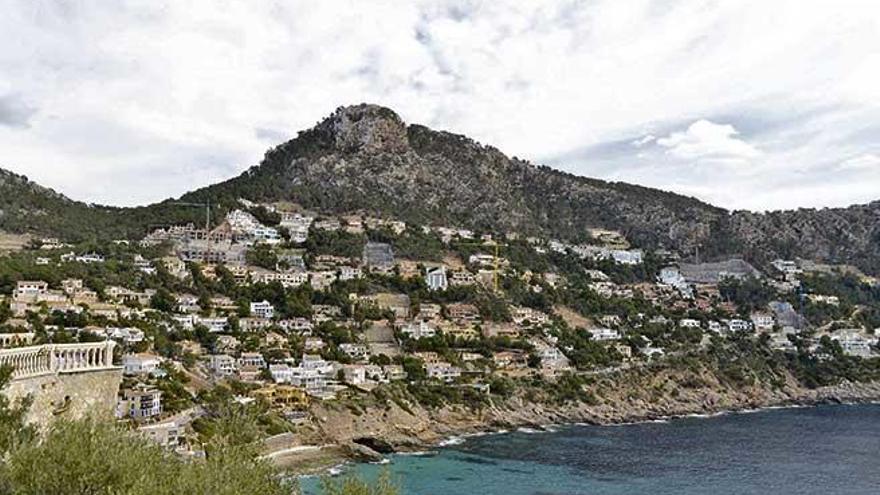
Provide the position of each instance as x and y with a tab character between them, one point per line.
16	339
58	358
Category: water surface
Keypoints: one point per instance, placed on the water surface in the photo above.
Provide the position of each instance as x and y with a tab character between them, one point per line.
815	450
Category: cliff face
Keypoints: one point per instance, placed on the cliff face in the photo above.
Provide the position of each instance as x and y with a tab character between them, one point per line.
364	157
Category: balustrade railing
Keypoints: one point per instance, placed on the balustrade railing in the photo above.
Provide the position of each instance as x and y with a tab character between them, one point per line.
58	358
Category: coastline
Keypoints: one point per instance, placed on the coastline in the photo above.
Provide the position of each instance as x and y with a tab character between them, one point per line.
378	432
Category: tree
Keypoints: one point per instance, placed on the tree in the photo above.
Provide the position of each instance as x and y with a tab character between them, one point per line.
90	457
351	485
262	256
163	300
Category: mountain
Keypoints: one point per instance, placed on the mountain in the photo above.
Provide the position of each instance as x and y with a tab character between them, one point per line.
365	158
27	207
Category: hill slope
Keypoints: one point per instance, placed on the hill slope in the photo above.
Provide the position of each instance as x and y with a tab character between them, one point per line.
365	157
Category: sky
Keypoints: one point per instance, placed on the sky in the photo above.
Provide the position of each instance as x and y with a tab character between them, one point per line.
756	105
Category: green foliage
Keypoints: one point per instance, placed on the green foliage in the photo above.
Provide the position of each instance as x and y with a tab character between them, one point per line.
351	485
337	243
748	294
88	457
412	244
13	430
263	256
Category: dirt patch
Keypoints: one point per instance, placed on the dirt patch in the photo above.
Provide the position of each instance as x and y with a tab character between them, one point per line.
13	242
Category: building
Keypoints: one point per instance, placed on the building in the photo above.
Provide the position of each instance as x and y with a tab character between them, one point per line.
141	364
284	397
167	433
442	371
737	325
418	330
27	289
262	309
378	256
604	334
139	403
525	316
436	278
223	365
355	351
251	359
462	278
632	257
463	312
689	323
763	322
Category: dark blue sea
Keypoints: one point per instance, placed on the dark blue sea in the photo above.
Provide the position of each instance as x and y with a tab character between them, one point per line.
811	450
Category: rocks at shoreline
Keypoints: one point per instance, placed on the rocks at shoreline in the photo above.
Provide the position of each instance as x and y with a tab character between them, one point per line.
396	430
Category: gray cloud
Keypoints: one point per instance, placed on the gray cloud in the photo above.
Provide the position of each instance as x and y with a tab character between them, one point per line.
14	112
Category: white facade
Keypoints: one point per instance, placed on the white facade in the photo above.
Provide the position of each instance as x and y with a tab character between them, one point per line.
262	309
418	330
436	278
604	334
140	364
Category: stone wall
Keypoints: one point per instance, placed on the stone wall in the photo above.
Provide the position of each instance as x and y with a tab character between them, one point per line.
68	395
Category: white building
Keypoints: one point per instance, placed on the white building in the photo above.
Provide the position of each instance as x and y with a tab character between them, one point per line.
763	322
604	334
223	365
737	325
418	330
349	273
140	364
436	278
355	351
139	403
631	257
443	371
262	309
689	323
251	359
25	289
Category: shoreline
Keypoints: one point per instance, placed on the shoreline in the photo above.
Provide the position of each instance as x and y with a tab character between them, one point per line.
444	430
530	429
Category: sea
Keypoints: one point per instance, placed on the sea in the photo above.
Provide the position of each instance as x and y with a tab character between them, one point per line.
833	449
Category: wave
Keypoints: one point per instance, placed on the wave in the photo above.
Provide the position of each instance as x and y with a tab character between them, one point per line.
417	453
449	442
528	431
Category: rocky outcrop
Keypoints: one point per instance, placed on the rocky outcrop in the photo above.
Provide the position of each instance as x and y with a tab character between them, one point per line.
364	157
417	428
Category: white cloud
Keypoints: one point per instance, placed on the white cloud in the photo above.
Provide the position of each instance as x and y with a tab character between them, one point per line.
184	93
642	141
866	162
707	140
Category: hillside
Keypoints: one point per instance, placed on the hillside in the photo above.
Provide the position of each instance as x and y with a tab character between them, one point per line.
26	207
365	157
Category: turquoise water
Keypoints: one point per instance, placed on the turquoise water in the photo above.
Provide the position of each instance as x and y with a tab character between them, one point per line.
819	450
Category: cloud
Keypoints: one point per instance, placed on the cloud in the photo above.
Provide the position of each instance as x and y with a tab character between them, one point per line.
14	112
184	93
646	139
865	162
707	140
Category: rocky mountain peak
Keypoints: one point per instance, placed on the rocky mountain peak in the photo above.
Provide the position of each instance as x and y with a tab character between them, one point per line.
367	128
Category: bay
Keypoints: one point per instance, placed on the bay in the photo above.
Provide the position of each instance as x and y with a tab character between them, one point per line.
811	450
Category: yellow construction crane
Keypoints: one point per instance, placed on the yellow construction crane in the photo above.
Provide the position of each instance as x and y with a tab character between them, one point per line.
496	259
